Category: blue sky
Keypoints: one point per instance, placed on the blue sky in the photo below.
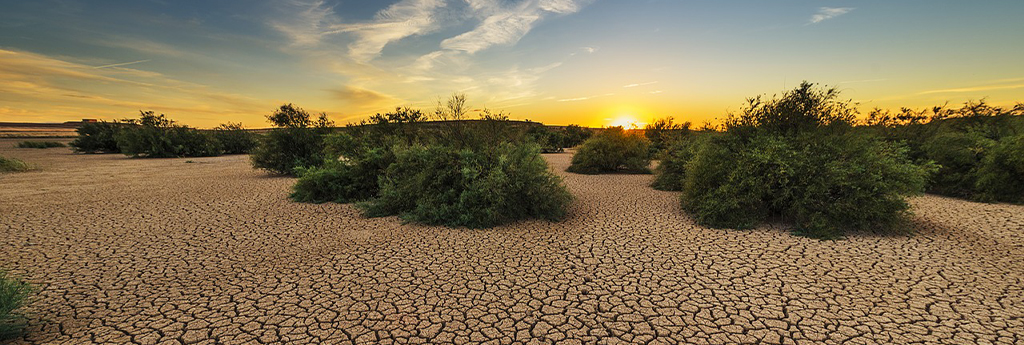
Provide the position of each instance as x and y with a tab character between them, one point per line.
557	61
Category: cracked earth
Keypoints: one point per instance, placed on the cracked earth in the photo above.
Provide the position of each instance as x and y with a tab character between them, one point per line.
136	251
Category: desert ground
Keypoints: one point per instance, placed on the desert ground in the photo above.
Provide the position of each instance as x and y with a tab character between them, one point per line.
210	251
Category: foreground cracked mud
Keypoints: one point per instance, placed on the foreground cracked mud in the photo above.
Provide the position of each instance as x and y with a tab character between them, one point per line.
212	252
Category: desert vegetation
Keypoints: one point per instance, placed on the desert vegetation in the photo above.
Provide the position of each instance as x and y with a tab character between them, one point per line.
977	147
13	165
157	136
29	144
14	295
455	172
613	150
796	158
297	141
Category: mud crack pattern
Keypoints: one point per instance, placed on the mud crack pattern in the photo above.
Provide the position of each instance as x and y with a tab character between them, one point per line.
134	251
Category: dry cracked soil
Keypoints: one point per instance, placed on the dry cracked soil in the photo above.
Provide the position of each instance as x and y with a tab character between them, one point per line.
164	251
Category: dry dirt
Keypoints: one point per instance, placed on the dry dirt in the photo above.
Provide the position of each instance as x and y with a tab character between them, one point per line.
168	252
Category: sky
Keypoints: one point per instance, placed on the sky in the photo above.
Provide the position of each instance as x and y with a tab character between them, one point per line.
589	62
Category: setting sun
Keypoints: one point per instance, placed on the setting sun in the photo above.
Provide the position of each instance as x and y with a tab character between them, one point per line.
626	121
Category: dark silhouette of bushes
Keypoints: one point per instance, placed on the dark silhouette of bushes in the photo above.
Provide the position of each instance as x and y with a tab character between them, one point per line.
453	172
612	150
40	144
156	136
14	295
13	165
297	141
234	139
97	137
798	159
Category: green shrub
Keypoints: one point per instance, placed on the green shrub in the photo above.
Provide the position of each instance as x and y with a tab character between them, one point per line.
13	165
613	150
14	294
670	174
235	139
296	142
475	188
798	159
156	136
575	135
40	144
959	156
1001	175
664	132
349	175
97	137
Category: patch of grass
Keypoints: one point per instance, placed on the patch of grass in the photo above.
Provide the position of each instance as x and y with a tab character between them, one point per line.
40	144
14	294
13	165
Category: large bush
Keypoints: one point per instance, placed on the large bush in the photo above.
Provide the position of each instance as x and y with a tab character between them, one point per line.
612	150
156	136
671	170
1001	175
296	142
455	172
797	158
97	137
235	139
444	185
14	294
959	155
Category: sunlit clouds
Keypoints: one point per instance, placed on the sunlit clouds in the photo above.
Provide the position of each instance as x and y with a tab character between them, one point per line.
555	61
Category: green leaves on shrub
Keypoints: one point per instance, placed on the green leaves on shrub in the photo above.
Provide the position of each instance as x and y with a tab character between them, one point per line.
97	137
443	185
13	165
156	136
671	170
40	144
296	142
1001	175
612	150
795	158
14	294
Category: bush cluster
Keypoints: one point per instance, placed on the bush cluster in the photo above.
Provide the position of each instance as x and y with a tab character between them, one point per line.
13	165
14	294
98	137
670	173
235	139
453	172
40	144
663	132
968	145
613	150
798	159
297	141
156	136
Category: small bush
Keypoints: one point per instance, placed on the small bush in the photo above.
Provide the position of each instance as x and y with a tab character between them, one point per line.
959	155
1001	175
444	185
575	135
797	158
97	137
40	144
235	139
13	165
613	150
296	142
350	176
14	294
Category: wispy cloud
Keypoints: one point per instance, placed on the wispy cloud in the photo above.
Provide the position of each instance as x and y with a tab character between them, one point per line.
403	19
363	99
639	84
584	98
506	25
826	13
973	89
121	64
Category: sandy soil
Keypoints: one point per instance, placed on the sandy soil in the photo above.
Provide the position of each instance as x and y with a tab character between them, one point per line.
169	252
